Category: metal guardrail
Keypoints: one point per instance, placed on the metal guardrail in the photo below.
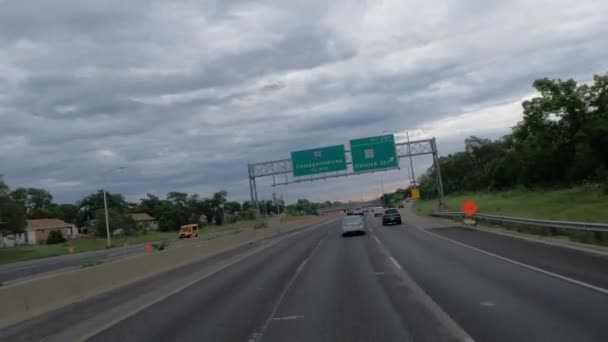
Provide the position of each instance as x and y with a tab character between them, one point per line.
588	226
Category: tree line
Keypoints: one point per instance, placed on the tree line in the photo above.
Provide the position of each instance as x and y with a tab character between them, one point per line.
562	140
306	207
171	212
176	209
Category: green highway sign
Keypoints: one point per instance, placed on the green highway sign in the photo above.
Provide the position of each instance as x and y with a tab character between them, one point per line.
318	160
374	153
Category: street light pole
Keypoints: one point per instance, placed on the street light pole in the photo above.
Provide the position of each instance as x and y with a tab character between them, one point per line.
382	186
105	208
105	204
224	188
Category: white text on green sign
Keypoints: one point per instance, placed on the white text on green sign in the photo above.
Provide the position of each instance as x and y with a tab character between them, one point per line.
318	160
374	153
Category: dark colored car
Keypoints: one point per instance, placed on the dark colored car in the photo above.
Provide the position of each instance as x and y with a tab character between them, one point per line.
401	205
391	216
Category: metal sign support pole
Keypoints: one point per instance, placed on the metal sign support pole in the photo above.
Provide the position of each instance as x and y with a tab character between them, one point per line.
409	151
438	175
251	186
255	193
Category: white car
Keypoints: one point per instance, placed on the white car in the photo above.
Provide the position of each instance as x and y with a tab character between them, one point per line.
353	225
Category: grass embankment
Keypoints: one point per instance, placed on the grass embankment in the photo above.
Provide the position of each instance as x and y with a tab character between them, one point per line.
23	253
293	218
229	226
585	203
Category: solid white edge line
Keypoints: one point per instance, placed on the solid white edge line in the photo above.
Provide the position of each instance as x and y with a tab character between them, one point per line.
448	322
530	267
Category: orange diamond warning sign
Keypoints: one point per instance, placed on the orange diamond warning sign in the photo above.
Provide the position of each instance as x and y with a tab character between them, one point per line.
469	208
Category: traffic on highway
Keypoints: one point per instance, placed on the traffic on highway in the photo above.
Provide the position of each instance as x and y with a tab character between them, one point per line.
414	281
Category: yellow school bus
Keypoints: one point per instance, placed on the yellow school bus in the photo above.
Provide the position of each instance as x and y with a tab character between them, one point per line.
188	231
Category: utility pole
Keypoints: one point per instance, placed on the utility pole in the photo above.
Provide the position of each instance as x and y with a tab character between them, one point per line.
105	204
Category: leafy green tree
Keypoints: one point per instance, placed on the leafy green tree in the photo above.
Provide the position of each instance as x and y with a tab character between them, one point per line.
12	217
561	140
33	199
117	220
39	198
91	204
247	205
233	207
178	198
12	213
20	195
68	212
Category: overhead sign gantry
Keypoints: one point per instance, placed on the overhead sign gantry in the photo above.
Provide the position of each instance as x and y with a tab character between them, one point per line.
366	155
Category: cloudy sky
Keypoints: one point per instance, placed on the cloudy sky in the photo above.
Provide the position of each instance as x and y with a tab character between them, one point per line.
186	93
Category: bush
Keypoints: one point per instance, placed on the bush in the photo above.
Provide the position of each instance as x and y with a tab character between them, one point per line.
231	219
260	224
249	214
55	237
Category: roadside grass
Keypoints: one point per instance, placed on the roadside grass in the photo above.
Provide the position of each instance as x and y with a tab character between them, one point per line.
583	203
293	218
24	253
244	224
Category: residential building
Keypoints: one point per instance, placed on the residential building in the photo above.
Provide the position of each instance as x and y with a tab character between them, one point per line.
143	221
38	230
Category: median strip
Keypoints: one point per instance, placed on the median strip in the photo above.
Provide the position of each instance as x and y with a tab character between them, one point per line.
29	299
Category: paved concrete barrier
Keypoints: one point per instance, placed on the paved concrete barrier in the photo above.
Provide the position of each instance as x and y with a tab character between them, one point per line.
29	299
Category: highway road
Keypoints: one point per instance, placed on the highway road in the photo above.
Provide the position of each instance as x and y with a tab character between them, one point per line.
32	268
397	283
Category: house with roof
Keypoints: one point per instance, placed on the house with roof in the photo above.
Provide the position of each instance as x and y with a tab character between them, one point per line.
144	221
37	231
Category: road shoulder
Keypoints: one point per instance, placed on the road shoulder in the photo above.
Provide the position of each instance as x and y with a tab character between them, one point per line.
426	222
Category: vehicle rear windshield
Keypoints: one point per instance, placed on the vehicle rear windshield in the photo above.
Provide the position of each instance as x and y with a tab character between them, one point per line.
352	220
391	211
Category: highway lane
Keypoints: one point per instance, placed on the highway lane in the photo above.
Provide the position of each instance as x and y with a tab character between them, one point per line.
32	268
315	286
584	266
495	300
328	288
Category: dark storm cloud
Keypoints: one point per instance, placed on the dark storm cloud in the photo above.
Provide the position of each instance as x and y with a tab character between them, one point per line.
186	93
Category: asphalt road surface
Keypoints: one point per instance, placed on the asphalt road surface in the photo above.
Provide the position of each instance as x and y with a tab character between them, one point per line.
32	268
397	283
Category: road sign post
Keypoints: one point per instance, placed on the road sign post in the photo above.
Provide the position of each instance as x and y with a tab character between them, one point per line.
318	160
374	153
